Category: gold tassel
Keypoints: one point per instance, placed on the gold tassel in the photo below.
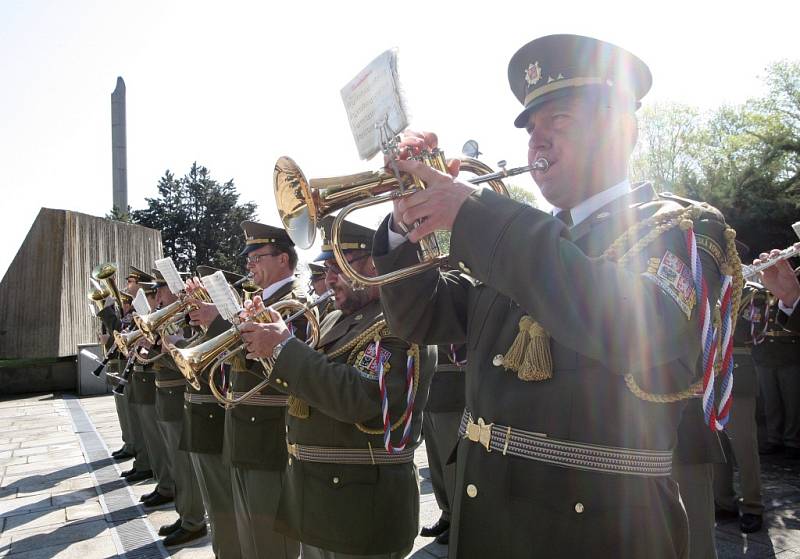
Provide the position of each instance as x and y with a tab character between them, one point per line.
529	355
512	360
298	408
537	365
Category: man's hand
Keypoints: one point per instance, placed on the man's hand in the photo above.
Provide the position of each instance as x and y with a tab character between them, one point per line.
204	314
261	338
412	143
436	207
780	278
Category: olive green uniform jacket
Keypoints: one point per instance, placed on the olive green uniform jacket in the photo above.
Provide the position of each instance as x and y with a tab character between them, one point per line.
255	436
350	508
604	321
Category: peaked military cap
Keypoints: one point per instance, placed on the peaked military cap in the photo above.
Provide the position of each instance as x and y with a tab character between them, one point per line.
139	275
149	287
257	235
559	65
125	297
351	235
317	271
230	277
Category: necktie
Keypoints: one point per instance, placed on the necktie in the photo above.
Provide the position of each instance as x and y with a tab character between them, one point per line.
565	216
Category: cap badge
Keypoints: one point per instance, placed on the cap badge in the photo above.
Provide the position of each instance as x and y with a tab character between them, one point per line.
533	74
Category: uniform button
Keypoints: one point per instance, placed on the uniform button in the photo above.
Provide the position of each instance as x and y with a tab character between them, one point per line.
335	480
252	419
472	491
278	380
211	416
735	365
290	460
498	360
464	268
579	508
285	384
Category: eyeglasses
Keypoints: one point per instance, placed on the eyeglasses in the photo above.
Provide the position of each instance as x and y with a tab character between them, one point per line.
332	266
257	257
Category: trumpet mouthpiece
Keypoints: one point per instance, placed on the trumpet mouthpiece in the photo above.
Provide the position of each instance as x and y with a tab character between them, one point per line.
541	164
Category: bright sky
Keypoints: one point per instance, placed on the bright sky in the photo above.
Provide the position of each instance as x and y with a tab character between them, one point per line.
234	85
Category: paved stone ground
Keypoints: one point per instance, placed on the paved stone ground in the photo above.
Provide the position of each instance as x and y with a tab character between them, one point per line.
60	495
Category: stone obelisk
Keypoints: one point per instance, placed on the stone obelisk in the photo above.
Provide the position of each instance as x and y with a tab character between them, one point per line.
119	147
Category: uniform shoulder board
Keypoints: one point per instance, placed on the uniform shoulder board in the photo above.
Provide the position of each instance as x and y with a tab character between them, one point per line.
709	211
709	227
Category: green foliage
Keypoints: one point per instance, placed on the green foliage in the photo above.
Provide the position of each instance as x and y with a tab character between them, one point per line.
118	215
199	219
744	159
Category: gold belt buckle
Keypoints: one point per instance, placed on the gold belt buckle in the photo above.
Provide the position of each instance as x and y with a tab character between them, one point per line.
292	449
480	433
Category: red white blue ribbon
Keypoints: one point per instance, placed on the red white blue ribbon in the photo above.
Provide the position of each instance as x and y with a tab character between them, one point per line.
387	423
715	418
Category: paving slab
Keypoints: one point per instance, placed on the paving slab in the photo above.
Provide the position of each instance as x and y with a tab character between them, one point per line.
58	495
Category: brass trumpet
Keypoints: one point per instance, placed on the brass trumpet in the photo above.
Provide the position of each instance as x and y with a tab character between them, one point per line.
214	352
126	341
104	273
302	204
153	323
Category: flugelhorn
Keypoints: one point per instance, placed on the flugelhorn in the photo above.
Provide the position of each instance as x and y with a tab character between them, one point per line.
152	324
104	273
302	204
214	352
126	341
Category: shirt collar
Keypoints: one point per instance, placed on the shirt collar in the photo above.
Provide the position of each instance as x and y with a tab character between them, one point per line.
270	290
586	208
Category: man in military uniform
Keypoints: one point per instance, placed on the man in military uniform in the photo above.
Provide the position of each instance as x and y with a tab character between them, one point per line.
141	391
112	322
572	330
203	433
440	428
170	387
351	487
776	354
254	443
740	435
318	287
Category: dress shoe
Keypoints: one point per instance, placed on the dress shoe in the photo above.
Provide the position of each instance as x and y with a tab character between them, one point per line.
181	536
444	537
750	523
440	527
139	476
157	500
127	473
770	448
122	456
146	496
721	515
168	529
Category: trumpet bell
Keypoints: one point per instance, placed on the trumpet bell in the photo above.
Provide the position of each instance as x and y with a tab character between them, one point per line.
297	205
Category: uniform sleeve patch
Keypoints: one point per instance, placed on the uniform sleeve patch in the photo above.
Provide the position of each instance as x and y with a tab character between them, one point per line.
710	247
368	365
674	278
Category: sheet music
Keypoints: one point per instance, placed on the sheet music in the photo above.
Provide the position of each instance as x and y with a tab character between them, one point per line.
140	303
167	268
372	99
220	293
